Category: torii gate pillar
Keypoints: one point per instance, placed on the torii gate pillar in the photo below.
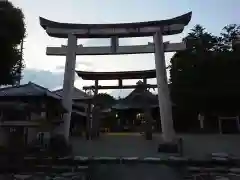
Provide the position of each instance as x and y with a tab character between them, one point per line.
163	91
68	83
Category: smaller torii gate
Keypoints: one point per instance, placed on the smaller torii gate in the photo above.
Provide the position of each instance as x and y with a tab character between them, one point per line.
120	76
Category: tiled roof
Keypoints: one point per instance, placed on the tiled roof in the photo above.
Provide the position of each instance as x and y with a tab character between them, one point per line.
76	95
137	99
27	90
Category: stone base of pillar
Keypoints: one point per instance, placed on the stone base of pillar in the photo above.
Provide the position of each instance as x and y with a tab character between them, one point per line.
87	136
174	147
95	134
148	136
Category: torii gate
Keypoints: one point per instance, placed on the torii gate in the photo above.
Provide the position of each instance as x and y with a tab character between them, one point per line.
157	29
120	76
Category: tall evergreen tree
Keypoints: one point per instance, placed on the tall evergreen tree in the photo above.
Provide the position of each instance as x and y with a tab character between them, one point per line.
12	33
205	77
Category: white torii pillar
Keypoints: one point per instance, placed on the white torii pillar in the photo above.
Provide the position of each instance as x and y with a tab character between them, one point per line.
68	82
163	90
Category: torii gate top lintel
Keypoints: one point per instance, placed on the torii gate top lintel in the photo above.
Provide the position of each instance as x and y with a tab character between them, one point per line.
120	76
138	29
87	75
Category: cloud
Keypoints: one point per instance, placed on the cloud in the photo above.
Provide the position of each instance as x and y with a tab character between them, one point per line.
84	65
121	93
49	79
60	68
97	42
45	78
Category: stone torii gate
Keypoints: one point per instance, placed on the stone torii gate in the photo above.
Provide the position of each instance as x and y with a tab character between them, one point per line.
157	29
120	76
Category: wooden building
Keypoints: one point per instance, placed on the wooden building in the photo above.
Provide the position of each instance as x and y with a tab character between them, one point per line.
28	112
80	110
131	111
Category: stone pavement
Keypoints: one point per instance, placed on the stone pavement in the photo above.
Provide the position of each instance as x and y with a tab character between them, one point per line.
194	146
134	145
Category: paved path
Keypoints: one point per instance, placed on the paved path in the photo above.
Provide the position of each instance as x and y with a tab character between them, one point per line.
196	146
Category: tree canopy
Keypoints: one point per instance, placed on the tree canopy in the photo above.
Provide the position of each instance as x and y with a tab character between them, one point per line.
104	100
205	76
12	33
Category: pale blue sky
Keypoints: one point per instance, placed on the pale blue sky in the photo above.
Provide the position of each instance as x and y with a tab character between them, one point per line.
212	14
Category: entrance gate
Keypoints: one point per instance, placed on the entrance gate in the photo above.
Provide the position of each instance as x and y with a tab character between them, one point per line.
157	29
120	76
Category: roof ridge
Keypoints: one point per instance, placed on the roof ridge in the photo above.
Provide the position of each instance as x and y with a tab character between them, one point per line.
15	86
43	88
74	88
29	89
61	89
137	92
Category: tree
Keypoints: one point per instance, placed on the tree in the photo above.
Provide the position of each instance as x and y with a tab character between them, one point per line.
230	33
104	100
12	33
205	76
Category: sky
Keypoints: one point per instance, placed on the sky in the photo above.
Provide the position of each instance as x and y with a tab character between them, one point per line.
48	70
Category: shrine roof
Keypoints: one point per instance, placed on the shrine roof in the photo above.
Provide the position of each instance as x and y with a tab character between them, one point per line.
77	94
29	93
139	98
136	29
27	90
146	74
